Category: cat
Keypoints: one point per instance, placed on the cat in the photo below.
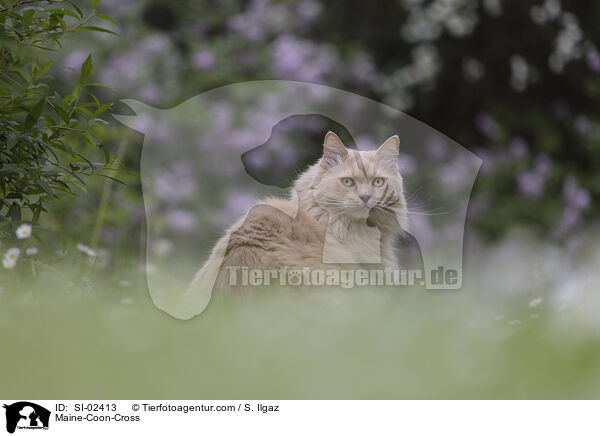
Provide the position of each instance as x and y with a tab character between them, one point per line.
348	207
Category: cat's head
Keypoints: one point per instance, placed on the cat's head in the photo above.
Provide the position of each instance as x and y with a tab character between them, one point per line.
352	183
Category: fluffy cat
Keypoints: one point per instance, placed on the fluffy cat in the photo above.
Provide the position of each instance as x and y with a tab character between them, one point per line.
349	207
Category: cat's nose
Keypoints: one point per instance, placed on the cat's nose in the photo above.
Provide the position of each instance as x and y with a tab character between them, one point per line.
365	197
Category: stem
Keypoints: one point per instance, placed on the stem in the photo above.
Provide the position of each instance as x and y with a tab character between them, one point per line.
105	196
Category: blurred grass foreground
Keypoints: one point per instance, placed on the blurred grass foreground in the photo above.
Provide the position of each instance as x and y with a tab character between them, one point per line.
519	329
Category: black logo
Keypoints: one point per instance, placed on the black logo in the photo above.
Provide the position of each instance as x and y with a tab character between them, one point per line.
26	415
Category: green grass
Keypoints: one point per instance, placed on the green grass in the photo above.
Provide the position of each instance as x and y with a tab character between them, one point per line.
63	340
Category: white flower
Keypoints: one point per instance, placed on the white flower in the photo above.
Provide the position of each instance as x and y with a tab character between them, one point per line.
10	258
24	231
86	250
31	251
535	302
12	254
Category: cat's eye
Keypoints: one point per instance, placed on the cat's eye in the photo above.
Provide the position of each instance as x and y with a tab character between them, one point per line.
347	181
378	181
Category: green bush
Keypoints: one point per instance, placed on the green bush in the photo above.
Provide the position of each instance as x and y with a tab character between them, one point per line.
43	134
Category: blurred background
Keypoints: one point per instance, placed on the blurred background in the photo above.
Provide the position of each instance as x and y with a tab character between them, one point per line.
516	83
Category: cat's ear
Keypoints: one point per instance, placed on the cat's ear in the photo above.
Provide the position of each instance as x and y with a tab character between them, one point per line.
388	151
334	151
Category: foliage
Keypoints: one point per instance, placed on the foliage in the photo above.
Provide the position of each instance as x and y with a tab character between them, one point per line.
41	131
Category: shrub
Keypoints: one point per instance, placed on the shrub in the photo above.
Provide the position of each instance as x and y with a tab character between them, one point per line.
43	133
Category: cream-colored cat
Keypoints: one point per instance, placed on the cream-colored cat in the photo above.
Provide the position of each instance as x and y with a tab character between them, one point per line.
347	208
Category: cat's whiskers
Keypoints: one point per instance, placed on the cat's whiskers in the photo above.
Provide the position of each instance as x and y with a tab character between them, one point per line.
391	209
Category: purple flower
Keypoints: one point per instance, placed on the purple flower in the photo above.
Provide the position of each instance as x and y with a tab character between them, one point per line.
181	220
542	165
593	60
258	158
308	10
569	219
155	45
302	60
583	125
222	116
487	125
361	70
518	147
247	26
150	92
421	227
531	184
575	196
488	160
177	183
204	60
237	203
436	147
453	173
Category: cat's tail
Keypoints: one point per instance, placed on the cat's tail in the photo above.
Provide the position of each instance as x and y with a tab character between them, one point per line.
196	297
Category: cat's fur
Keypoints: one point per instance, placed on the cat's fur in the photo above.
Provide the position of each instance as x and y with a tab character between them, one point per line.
281	232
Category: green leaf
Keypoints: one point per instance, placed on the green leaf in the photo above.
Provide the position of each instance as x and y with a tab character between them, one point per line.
28	17
86	69
84	111
62	23
34	114
114	179
9	168
42	184
11	140
63	114
94	121
37	109
95	99
106	18
100	85
76	8
95	3
14	212
95	29
106	154
102	109
62	12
